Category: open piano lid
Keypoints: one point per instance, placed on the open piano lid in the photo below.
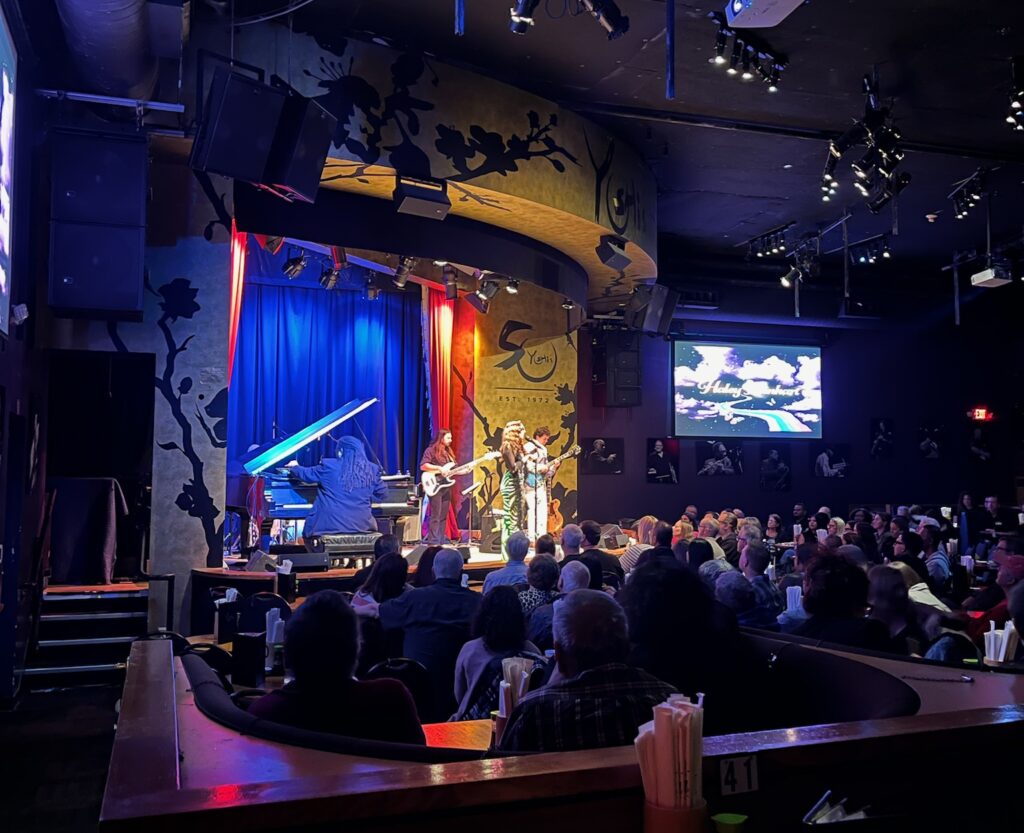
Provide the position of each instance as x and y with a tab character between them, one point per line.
262	458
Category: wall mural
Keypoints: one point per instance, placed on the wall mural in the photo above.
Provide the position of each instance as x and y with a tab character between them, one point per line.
526	372
423	118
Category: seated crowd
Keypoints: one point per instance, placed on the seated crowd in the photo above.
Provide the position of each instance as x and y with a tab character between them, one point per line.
613	634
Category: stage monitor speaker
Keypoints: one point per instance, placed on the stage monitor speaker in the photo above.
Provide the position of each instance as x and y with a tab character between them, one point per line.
239	125
300	149
490	534
96	271
96	178
612	537
616	374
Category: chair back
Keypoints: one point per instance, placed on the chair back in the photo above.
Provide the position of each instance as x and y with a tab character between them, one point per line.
412	674
252	611
487	692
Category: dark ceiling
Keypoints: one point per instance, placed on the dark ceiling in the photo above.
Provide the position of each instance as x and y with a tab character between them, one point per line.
944	66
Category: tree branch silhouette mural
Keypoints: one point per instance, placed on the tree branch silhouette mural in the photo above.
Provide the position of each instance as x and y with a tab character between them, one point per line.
177	301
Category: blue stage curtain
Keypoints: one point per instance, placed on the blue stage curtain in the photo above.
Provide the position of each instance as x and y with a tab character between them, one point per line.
302	352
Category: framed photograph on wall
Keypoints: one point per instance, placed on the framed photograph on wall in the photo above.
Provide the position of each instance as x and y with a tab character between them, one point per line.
882	435
719	458
931	441
662	460
775	468
603	455
830	459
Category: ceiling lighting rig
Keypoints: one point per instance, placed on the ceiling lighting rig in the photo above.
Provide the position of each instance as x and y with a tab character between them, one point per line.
770	244
749	57
875	175
607	14
872	249
967	194
1015	114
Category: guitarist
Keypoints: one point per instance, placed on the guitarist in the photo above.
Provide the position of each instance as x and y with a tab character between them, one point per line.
435	458
537	477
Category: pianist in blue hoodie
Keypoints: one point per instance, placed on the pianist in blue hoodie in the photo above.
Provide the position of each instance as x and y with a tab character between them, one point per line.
347	485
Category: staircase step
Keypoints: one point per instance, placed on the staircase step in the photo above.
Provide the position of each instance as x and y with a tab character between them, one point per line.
92	617
101	640
40	670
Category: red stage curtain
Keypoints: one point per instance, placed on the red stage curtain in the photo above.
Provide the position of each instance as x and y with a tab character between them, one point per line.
440	321
235	301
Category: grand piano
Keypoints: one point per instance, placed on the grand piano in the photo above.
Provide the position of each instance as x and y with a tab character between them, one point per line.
279	497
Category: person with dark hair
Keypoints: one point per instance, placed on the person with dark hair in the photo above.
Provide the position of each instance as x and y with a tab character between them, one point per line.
835	597
573	576
970	523
435	621
438	460
346	486
662	549
798	519
754	561
591	546
831	543
1009	555
498	631
593	565
384	545
890	604
699	552
321	642
681	552
425	568
727	538
998	520
804	555
598	700
773	531
867	541
935	558
545	545
680	634
386	580
898	524
542	578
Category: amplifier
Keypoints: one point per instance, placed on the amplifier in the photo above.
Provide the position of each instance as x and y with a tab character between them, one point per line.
307	562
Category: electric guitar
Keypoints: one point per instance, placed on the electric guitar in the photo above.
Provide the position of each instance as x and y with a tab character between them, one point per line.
534	479
434	481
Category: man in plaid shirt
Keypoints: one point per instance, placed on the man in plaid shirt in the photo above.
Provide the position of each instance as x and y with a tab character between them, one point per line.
594	699
754	560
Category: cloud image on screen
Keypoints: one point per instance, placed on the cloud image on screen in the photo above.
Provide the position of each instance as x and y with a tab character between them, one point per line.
746	390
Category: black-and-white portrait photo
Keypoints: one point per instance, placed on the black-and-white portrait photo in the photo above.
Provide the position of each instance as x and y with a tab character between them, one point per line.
603	455
662	460
719	458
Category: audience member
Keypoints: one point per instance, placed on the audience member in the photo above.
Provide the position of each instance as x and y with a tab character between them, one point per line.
773	531
546	546
591	546
498	632
424	576
691	513
917	588
734	591
727	538
836	526
711	571
890	604
832	543
855	555
805	554
708	530
682	530
698	552
597	700
1009	555
385	545
574	576
386	581
681	552
998	519
436	622
320	645
835	598
799	519
935	558
754	561
542	578
681	635
593	565
868	542
644	541
971	520
572	538
517	546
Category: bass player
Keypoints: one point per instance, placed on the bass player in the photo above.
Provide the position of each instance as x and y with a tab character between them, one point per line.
437	456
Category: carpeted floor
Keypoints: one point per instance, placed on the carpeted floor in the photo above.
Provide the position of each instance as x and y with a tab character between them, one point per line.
54	751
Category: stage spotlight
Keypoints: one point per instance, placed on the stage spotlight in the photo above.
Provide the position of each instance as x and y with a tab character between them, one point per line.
294	265
567	304
721	43
791	277
372	290
488	289
608	15
512	287
748	57
329	276
402	271
521	15
737	53
451	283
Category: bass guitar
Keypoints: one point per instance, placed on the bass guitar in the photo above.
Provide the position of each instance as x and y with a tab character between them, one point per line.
434	481
533	479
